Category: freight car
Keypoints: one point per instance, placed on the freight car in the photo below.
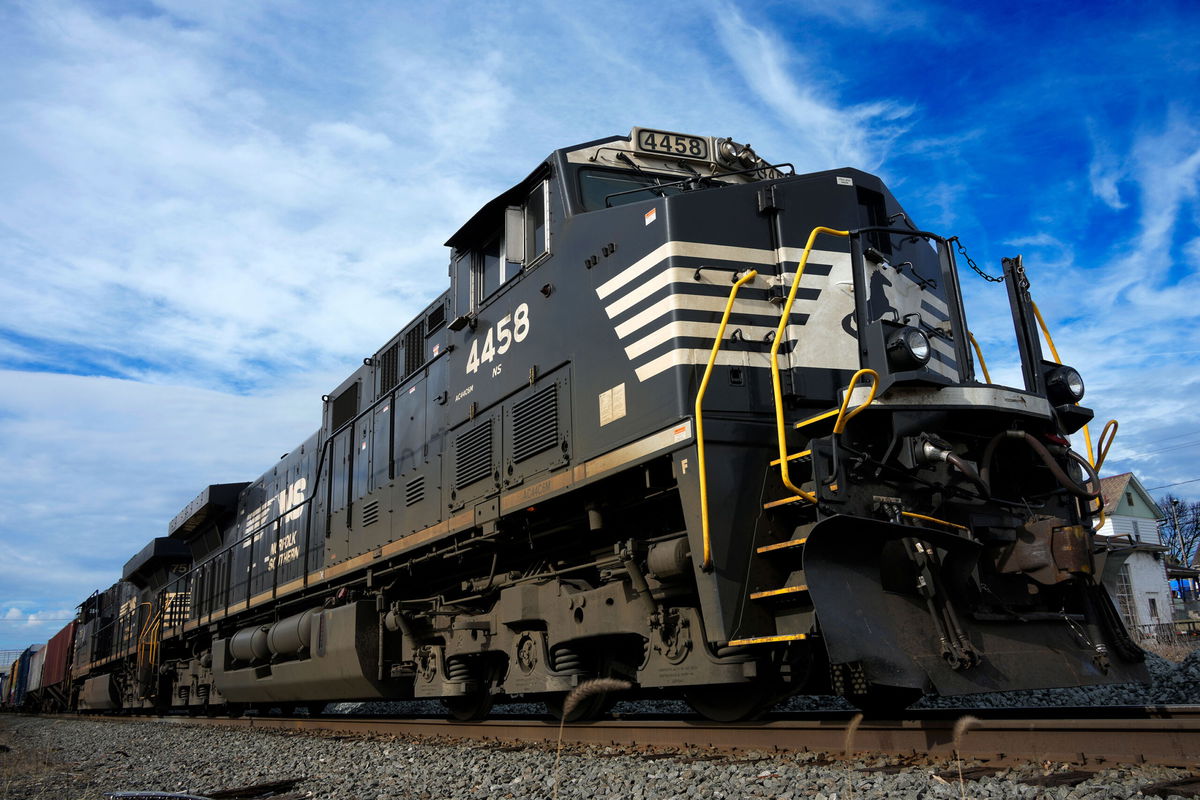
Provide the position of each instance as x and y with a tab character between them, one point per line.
684	418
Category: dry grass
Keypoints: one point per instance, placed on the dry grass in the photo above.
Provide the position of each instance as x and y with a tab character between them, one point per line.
580	693
1172	650
964	724
24	768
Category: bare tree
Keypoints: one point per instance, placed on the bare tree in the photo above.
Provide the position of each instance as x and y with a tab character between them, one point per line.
1181	529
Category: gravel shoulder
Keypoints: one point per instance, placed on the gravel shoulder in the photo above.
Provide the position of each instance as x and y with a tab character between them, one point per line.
83	759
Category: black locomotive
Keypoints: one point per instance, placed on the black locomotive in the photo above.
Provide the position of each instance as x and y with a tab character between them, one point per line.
683	418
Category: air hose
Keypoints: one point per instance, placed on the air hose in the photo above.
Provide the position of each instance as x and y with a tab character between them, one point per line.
1047	458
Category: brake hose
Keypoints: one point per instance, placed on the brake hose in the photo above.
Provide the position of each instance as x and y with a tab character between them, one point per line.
1047	458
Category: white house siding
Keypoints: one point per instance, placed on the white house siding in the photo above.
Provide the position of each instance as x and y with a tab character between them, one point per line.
1138	530
1149	580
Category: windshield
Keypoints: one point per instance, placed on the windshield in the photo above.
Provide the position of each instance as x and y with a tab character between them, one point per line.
597	184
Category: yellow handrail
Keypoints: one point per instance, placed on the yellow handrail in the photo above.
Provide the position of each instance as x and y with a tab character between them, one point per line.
706	564
1046	333
1102	445
839	424
780	332
979	355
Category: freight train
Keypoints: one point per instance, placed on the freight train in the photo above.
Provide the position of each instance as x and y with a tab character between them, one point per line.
684	418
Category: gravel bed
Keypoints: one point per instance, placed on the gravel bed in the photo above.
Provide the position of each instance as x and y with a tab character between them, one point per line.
83	759
1171	684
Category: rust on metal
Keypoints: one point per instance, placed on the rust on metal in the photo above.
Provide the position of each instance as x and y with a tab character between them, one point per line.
1172	740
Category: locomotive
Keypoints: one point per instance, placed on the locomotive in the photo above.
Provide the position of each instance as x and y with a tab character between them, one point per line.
683	417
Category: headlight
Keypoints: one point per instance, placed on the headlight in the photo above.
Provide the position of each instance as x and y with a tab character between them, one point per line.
908	348
1064	385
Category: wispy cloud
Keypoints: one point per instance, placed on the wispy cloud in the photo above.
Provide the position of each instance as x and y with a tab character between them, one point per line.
790	85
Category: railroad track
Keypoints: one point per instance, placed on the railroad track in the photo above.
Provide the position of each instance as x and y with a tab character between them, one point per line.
1164	735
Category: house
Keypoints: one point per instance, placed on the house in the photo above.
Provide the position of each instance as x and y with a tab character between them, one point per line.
1139	586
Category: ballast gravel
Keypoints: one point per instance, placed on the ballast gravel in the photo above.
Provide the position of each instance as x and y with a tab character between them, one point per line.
1170	683
84	759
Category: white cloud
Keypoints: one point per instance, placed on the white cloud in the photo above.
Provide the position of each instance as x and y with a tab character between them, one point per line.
789	85
95	467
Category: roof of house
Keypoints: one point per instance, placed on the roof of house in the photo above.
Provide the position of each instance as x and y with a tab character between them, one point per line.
1114	487
1177	571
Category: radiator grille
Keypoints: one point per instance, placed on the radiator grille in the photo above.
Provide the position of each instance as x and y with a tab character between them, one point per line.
345	407
535	424
414	492
389	368
370	513
436	318
473	460
414	348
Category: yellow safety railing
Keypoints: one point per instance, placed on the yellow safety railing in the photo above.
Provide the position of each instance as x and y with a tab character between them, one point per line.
144	633
839	424
1102	444
979	354
147	646
780	332
707	563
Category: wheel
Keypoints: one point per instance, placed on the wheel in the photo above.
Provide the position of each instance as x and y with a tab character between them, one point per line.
734	702
883	701
468	707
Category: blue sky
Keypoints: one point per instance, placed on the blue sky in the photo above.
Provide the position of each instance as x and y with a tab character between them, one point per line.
210	212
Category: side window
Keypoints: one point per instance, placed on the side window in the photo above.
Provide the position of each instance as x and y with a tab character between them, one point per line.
519	239
491	268
463	277
535	223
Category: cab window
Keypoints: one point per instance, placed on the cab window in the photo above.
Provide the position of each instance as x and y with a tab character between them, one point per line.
520	239
596	187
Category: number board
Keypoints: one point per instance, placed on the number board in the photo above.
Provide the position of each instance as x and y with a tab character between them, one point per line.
672	144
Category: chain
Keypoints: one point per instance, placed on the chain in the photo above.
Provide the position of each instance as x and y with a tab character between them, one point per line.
971	262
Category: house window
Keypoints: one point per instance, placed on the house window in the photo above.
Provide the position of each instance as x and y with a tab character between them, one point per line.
1129	498
1154	609
1125	597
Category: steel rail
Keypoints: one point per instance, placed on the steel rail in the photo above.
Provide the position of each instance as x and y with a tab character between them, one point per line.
1161	737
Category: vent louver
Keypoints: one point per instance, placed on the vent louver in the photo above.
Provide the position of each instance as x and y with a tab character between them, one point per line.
436	318
414	492
345	407
370	513
535	424
473	461
389	368
414	348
